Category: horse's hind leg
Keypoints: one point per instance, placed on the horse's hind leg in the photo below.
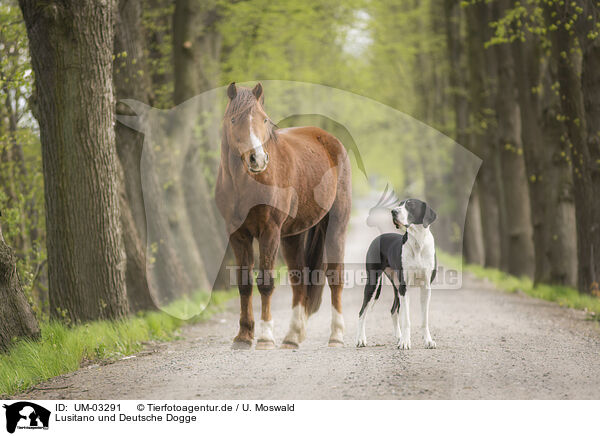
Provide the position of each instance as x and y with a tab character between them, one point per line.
241	242
334	266
293	252
268	245
335	278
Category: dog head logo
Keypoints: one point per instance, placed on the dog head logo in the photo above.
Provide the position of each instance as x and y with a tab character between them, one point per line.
379	215
26	415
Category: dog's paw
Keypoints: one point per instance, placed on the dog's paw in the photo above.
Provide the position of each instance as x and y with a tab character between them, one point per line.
430	344
361	342
404	344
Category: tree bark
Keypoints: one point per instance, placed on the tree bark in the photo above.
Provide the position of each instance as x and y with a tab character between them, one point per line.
71	47
481	136
473	245
130	81
560	245
196	46
16	316
166	277
574	88
548	178
473	250
518	232
588	161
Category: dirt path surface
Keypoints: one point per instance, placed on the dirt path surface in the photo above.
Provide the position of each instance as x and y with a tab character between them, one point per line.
490	345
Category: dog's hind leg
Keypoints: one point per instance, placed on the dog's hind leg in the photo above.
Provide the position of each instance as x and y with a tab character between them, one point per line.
396	307
374	282
425	298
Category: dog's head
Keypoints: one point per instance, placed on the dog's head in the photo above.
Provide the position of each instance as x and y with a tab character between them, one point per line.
413	211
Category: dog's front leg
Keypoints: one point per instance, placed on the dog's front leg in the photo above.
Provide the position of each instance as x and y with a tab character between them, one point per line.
425	297
404	342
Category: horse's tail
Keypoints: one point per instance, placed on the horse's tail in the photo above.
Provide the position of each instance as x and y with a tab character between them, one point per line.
315	248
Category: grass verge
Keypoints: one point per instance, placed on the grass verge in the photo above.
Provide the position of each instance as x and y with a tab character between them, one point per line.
62	349
563	295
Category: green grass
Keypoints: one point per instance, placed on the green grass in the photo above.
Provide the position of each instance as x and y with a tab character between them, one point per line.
563	295
63	349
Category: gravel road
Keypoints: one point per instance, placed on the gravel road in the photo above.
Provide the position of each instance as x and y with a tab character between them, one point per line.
491	345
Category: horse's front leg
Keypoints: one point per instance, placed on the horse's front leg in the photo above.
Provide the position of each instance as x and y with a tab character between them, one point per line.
268	245
241	242
293	252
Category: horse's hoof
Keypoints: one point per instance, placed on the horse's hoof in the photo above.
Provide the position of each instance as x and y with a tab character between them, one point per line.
335	343
286	345
263	344
241	345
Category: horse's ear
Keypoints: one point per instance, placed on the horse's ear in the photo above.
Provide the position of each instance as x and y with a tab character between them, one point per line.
258	92
231	91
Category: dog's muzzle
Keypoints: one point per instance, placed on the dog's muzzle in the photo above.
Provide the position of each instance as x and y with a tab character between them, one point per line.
399	224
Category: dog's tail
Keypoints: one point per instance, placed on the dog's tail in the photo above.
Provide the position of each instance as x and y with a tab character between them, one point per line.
314	251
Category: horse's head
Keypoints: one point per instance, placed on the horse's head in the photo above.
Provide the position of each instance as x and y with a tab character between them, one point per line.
247	128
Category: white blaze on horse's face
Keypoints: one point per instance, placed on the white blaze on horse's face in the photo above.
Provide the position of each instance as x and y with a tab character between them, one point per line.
258	158
250	128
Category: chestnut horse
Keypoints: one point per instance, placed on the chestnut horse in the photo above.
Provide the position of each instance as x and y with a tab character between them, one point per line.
288	187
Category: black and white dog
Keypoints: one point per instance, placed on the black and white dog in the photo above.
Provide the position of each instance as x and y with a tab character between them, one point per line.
409	261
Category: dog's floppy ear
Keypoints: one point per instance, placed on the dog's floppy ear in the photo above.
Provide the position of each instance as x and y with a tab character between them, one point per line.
429	216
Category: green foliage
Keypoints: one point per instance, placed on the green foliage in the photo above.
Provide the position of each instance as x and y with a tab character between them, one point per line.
62	349
288	40
563	295
21	181
157	22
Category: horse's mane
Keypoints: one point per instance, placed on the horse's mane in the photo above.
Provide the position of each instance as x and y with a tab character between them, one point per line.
242	104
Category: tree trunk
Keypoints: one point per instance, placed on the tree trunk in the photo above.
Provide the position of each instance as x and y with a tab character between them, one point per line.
71	47
560	245
548	175
130	81
589	156
473	250
573	88
196	45
139	284
481	136
16	317
518	230
185	22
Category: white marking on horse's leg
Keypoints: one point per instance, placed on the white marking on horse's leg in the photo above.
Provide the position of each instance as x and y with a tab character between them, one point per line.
361	335
297	331
404	342
425	298
266	331
337	327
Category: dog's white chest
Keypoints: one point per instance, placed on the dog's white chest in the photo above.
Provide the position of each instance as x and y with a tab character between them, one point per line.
419	253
